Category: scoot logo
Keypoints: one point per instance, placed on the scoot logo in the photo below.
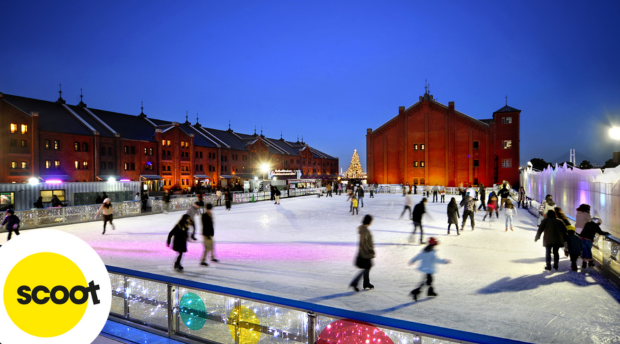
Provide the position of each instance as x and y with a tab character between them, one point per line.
47	296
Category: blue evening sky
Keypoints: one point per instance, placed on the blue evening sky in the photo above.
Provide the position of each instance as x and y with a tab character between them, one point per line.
327	70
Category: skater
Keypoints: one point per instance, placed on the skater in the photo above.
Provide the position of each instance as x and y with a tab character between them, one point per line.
545	206
192	212
553	238
277	194
273	193
339	189
218	195
365	254
329	190
228	199
12	223
56	203
208	231
98	199
562	217
408	203
521	198
442	192
415	189
418	211
587	239
354	203
504	193
404	190
429	259
583	217
435	191
453	215
137	197
39	203
360	196
108	213
179	232
372	191
166	202
574	246
105	195
491	206
469	208
350	200
482	193
145	199
510	213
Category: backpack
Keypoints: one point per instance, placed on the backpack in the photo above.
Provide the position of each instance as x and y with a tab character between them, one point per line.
354	203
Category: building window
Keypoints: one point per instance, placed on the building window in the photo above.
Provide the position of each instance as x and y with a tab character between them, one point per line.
422	147
13	164
13	143
56	145
507	144
110	166
421	163
24	128
476	163
84	147
415	164
85	165
24	143
77	165
133	166
48	164
415	181
133	149
476	181
151	151
48	144
76	146
126	166
13	128
506	120
168	142
415	147
506	162
102	151
47	195
146	151
163	143
421	181
57	164
476	144
126	149
104	165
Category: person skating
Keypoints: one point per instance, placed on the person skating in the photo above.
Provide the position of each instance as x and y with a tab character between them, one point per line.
545	206
354	204
56	203
12	223
504	193
554	233
208	231
408	203
587	239
193	211
108	213
482	193
228	199
329	190
218	195
372	190
39	203
428	260
469	207
365	254
442	193
145	199
360	195
435	191
179	233
166	202
404	190
510	213
559	214
350	200
583	217
98	199
574	246
453	215
339	189
418	211
277	194
521	198
491	206
137	197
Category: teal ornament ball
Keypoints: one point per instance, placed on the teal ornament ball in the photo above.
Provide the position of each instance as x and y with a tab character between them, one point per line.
192	311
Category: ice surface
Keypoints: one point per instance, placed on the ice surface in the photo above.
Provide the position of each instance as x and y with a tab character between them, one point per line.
305	247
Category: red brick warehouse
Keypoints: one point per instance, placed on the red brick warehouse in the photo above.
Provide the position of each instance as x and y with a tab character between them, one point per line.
430	143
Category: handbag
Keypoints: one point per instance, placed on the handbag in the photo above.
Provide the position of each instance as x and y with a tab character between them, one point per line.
359	262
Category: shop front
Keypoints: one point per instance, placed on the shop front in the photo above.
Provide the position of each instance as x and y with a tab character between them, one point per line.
151	182
203	182
303	183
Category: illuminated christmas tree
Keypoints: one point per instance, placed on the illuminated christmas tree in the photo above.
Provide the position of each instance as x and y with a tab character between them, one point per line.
355	169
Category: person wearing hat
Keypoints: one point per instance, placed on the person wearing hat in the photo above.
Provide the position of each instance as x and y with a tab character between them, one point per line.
429	259
587	239
583	217
108	213
574	246
12	223
554	233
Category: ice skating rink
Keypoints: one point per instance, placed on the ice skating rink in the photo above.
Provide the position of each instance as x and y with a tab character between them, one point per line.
304	249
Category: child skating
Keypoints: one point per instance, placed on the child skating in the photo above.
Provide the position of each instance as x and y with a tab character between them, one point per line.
429	259
511	211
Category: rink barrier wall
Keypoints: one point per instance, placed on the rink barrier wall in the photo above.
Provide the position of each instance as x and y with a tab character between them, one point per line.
159	304
46	217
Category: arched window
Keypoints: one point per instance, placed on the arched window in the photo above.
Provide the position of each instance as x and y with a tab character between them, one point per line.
421	181
415	181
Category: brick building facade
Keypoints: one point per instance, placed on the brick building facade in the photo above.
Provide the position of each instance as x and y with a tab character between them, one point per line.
430	143
54	140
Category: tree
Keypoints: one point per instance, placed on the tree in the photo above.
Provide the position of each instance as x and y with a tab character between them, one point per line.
610	164
355	169
585	165
539	164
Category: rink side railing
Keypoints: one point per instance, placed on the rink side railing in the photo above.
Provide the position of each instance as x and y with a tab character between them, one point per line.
605	250
84	213
195	312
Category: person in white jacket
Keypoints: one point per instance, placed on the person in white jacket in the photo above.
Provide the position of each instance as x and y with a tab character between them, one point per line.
408	203
108	213
511	212
429	259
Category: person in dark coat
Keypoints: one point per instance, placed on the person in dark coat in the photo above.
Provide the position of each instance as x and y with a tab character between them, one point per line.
208	231
56	202
360	196
39	203
521	198
418	211
166	202
145	198
277	193
228	199
482	193
98	199
469	208
105	195
12	223
504	193
554	233
453	215
180	235
574	246
587	239
365	255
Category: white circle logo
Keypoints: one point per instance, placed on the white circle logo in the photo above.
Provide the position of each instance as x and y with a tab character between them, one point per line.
54	289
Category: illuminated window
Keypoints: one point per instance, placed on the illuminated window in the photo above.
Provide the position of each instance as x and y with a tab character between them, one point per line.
85	165
415	147
77	165
146	152
507	144
24	143
421	163
48	144
422	147
415	164
76	146
24	128
126	166
506	162
13	128
48	164
163	142
56	145
13	164
47	195
150	151
126	149
506	120
57	164
24	165
168	142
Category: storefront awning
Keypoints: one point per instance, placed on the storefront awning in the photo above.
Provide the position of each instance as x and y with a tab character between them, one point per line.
151	177
57	177
244	175
227	177
201	176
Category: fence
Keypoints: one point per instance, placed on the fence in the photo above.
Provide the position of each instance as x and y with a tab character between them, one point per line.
398	189
198	312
